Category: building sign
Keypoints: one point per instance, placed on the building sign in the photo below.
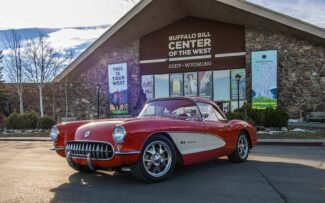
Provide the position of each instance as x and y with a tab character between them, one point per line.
192	44
118	88
264	79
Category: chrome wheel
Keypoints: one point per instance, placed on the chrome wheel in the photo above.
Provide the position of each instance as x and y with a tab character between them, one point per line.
157	158
242	147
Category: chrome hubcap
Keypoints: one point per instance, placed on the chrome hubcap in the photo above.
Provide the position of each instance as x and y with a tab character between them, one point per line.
242	146
157	158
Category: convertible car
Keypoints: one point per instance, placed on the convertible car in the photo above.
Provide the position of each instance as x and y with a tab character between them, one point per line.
168	131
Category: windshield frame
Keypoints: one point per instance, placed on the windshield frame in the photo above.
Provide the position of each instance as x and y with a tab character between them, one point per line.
172	99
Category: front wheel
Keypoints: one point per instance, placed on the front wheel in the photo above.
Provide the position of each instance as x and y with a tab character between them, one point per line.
157	160
241	152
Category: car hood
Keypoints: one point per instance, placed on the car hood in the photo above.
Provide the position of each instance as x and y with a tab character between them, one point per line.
102	130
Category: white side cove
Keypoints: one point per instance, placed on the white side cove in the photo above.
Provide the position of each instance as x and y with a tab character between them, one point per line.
192	142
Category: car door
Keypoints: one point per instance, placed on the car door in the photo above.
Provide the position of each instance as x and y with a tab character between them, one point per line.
216	129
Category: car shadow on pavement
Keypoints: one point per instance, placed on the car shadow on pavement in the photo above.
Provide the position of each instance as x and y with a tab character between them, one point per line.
217	180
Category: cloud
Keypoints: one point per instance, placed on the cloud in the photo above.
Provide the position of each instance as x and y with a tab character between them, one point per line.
311	11
61	13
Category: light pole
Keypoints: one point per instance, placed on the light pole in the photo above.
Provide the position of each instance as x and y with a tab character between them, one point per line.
237	77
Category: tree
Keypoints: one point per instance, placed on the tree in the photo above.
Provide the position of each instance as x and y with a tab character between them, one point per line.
14	63
42	63
2	86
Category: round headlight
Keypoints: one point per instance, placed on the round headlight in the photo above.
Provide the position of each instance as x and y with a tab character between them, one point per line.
119	134
54	133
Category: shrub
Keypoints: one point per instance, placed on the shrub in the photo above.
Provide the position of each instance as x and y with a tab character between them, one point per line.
276	118
45	123
27	120
11	121
269	117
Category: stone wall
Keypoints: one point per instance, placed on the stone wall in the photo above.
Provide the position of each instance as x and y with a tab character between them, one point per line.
301	69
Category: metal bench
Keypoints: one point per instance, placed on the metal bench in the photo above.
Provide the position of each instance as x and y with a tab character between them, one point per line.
316	116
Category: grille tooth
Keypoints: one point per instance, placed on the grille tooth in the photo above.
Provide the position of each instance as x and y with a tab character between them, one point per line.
97	150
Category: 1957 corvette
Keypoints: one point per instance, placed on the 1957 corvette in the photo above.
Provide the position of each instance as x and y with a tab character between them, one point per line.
168	131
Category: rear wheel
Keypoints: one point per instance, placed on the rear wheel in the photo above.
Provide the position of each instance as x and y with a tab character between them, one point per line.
157	160
242	149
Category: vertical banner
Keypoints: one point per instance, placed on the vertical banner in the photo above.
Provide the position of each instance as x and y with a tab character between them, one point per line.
205	84
176	84
147	85
190	84
264	79
118	88
242	85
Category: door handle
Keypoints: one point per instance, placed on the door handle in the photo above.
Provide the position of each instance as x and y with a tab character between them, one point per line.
226	126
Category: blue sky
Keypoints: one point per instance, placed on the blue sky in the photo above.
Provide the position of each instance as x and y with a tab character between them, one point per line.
70	13
312	11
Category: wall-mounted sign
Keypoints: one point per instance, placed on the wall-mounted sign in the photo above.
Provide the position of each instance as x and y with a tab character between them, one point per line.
264	79
118	88
192	44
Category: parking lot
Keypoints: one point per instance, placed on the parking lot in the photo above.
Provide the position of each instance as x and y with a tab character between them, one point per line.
29	172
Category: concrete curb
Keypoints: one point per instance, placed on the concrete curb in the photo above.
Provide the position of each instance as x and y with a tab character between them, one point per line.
26	139
292	142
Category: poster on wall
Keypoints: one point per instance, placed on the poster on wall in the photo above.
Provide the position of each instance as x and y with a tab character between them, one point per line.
205	84
118	88
147	85
176	84
190	84
234	84
264	79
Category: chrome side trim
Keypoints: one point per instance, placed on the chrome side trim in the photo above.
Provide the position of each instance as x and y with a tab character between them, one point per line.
57	148
127	153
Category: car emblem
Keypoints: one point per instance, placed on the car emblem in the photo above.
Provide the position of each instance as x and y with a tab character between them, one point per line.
87	133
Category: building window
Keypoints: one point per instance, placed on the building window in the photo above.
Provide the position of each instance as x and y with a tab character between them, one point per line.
147	85
161	85
234	90
176	84
190	84
221	85
205	84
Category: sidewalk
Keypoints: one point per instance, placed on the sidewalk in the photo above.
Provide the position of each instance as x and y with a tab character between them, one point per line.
296	142
41	139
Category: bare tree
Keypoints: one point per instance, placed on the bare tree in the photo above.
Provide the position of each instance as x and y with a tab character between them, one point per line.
42	64
14	63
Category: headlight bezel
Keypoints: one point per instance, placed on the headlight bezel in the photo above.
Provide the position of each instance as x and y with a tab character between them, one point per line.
119	136
54	134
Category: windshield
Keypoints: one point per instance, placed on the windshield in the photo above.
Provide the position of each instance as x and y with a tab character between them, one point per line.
171	108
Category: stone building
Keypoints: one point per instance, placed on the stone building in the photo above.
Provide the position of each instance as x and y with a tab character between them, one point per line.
195	48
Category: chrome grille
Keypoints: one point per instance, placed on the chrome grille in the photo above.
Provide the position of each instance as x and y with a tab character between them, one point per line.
96	150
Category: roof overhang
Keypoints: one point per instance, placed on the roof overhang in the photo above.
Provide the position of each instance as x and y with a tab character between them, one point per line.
150	15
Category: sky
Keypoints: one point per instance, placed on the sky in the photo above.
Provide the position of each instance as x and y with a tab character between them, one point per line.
61	13
71	13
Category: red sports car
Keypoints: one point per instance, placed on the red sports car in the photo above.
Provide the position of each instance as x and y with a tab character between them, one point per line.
168	131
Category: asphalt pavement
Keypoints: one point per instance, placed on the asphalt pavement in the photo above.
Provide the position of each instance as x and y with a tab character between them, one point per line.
30	172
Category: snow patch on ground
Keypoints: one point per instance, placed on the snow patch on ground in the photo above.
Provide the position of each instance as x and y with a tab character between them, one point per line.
271	132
